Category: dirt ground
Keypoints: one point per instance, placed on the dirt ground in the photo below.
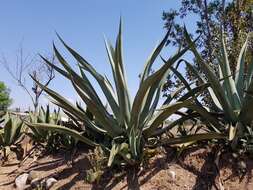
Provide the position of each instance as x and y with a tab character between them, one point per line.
195	169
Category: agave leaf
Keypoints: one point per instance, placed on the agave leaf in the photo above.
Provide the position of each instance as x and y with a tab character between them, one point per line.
116	148
150	106
206	115
120	83
215	84
215	99
150	102
221	76
249	75
174	94
114	151
194	91
83	83
198	107
202	80
102	117
232	132
239	76
8	129
17	129
88	83
12	129
119	61
186	117
103	83
47	115
62	102
1	137
38	133
247	106
152	58
134	142
65	104
75	120
118	50
121	75
193	138
79	106
58	69
64	130
229	83
85	119
164	113
183	80
140	100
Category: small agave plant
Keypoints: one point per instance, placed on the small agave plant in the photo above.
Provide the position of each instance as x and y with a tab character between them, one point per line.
231	94
10	134
129	127
51	140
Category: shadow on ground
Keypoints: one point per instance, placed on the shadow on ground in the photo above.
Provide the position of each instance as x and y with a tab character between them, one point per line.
195	169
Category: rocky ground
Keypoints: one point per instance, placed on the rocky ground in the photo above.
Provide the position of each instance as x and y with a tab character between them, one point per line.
196	169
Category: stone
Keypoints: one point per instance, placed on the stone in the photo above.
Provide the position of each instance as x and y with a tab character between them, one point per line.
50	182
21	181
172	174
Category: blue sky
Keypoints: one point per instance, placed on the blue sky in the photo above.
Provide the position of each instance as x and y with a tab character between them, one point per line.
82	24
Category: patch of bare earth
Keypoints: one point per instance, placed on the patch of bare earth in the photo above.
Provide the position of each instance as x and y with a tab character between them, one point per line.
194	170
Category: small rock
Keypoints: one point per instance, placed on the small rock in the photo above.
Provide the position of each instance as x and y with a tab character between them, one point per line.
21	181
172	174
235	155
50	182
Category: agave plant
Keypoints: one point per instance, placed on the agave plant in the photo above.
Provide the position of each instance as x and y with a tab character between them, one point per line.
50	139
128	127
10	133
230	93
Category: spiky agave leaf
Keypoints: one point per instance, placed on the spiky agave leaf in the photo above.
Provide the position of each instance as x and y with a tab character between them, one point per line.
215	83
63	130
194	138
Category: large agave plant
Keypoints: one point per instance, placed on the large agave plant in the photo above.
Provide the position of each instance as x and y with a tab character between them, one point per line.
129	125
231	94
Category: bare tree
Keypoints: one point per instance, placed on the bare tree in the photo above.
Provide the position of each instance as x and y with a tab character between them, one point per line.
26	64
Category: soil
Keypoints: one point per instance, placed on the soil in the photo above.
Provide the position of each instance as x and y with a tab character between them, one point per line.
194	169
